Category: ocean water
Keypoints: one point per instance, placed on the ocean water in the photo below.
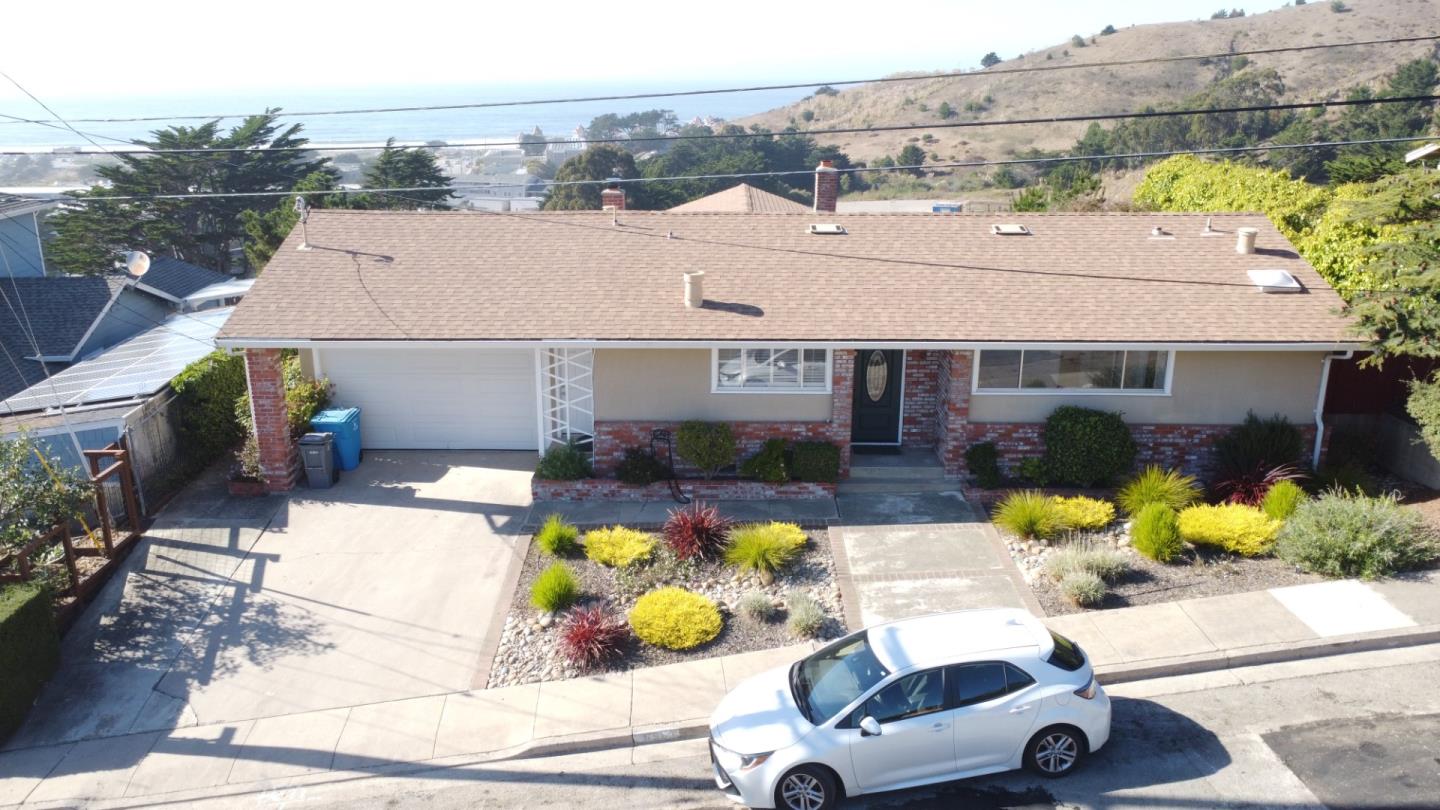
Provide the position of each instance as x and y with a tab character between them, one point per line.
501	123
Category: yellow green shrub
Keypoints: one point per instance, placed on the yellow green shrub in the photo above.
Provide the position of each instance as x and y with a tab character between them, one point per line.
675	619
1086	514
1233	527
618	546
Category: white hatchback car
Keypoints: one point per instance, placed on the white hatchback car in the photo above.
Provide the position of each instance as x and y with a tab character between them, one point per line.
909	703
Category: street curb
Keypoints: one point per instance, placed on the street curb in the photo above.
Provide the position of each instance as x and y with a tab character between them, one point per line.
1114	674
1268	654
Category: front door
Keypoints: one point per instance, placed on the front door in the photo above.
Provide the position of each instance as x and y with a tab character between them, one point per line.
876	416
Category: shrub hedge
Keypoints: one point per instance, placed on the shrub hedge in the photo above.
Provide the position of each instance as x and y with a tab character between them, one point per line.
563	462
1344	534
675	619
1234	527
983	461
816	461
1085	514
768	465
618	547
29	650
208	389
640	467
710	446
1085	447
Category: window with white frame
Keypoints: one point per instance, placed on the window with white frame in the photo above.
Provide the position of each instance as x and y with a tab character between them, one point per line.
775	369
1095	371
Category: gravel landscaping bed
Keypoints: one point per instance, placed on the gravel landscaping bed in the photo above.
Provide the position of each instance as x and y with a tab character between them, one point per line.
529	645
1196	573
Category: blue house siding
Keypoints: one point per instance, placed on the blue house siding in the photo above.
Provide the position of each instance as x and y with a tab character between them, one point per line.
20	247
132	313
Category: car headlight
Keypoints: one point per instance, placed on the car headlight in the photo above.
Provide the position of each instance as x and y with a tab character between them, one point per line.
1088	690
751	761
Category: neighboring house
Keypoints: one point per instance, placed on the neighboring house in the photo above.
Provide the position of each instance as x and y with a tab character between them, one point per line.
454	330
190	287
743	199
121	391
22	250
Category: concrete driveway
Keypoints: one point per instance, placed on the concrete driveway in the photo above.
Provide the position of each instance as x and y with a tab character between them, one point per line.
386	586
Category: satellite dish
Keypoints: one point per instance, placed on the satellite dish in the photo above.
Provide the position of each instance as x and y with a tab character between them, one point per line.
137	262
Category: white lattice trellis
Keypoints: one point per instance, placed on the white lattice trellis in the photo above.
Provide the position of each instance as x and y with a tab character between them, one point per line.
567	396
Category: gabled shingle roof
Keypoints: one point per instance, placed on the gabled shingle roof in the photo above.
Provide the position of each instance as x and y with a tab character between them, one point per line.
11	205
384	275
177	279
57	309
742	199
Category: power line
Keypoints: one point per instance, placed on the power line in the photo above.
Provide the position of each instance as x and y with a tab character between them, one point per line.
768	87
1053	119
779	173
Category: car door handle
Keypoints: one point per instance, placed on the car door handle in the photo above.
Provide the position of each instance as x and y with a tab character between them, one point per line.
939	726
1020	709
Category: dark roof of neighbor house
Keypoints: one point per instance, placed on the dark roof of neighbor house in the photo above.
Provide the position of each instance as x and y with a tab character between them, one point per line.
58	310
743	199
176	278
390	275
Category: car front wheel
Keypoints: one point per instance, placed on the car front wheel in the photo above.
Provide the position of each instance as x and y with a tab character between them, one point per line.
1055	751
807	788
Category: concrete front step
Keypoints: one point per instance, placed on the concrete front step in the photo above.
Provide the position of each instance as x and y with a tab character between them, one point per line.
928	472
855	487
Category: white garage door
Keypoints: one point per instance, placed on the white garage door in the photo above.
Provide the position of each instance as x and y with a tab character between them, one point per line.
441	399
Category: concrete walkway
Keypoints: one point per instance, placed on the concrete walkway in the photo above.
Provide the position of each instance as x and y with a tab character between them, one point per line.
672	702
901	555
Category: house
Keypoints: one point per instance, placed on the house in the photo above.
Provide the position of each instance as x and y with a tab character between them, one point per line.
22	250
189	287
465	330
743	198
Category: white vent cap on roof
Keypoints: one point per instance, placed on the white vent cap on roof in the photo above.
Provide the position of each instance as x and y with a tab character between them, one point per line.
1010	229
1274	281
827	229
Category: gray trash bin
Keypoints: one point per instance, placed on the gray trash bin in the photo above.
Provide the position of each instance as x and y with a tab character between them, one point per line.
319	459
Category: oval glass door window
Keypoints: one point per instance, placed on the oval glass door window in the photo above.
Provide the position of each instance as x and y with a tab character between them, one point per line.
877	374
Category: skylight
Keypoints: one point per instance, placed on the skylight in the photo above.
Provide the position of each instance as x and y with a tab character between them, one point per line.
827	229
1010	229
1274	281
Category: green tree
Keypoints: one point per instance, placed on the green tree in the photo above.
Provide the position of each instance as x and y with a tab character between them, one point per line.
199	230
1107	30
599	162
911	155
532	144
640	128
409	168
35	496
782	152
944	110
990	59
266	229
1078	41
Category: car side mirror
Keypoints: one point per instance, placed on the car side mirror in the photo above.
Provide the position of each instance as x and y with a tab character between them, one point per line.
869	727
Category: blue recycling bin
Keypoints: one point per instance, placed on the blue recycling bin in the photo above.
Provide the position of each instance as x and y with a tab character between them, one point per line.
344	423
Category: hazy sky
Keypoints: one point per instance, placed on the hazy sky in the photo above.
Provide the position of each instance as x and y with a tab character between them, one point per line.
86	49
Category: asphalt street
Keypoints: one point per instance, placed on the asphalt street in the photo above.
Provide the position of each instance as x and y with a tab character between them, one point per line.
1352	731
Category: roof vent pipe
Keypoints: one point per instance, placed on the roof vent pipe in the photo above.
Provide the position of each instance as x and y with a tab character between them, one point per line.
1245	242
694	292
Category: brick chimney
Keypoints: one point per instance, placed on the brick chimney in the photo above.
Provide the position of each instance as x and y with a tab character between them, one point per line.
612	197
827	186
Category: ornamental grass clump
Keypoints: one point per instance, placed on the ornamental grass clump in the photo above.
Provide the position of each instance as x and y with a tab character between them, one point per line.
1155	532
764	547
675	619
1106	563
696	531
1083	588
1233	527
593	636
1283	499
557	537
805	617
1341	534
1030	514
555	589
1158	485
1084	514
618	547
757	606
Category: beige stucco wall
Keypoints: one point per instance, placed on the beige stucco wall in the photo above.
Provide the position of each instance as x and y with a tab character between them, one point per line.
1209	388
672	384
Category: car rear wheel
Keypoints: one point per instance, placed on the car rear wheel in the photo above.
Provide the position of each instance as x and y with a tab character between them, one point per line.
807	788
1055	751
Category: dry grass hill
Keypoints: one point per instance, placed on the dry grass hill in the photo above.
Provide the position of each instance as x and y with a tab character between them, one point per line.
1308	76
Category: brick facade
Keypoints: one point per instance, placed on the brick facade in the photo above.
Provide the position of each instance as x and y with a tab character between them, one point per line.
609	489
612	437
922	398
1189	448
953	410
279	456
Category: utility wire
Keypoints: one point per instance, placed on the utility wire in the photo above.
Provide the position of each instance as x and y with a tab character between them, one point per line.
791	86
714	136
1227	150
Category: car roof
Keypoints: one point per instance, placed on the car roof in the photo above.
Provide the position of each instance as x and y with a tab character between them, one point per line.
946	638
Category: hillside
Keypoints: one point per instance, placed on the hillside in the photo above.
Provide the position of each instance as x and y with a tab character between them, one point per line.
1307	76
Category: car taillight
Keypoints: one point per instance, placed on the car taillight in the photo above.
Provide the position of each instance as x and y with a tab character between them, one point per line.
1088	690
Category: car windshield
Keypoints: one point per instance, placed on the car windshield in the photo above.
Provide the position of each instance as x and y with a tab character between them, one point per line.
834	677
